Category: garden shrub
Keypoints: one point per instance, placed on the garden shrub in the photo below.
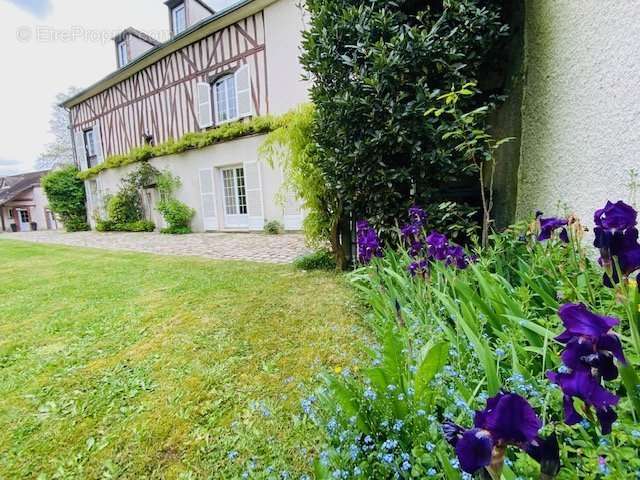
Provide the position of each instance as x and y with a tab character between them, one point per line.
125	206
137	226
67	197
273	227
177	214
523	332
379	70
319	260
292	147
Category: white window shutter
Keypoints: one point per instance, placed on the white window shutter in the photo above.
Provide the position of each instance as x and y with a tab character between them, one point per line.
255	204
205	112
243	91
81	153
208	200
97	140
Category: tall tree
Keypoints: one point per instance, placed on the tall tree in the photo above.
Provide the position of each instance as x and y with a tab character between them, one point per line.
59	152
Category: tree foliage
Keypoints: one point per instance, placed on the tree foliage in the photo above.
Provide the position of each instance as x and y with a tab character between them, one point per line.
58	152
67	197
292	147
378	68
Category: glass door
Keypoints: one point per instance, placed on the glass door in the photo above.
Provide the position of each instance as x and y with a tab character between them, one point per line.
236	214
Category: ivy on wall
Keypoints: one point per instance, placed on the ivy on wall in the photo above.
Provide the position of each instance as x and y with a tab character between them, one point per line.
190	141
67	197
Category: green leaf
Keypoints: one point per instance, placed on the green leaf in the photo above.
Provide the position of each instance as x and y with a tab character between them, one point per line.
434	360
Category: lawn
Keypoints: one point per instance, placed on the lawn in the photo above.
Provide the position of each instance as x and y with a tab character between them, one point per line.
123	365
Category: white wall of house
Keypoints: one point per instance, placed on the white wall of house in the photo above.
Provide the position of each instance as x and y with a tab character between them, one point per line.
188	167
581	106
284	23
137	47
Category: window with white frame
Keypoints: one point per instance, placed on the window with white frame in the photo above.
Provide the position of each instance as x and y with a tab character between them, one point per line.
123	57
226	100
179	19
235	191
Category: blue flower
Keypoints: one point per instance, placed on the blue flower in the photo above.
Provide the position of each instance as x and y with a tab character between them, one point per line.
232	455
369	394
398	425
431	472
430	447
387	458
405	466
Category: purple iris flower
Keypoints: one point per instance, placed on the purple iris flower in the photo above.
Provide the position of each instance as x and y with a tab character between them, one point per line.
590	349
457	256
417	215
508	419
419	267
616	236
546	451
438	246
368	242
410	231
549	225
581	384
616	216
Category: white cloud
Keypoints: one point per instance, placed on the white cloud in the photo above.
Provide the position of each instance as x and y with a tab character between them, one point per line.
44	56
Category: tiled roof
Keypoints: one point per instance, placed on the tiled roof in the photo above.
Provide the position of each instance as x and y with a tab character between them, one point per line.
16	184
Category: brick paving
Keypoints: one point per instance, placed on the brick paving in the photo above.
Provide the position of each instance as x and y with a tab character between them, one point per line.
222	246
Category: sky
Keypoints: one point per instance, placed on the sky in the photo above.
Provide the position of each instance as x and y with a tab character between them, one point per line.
47	46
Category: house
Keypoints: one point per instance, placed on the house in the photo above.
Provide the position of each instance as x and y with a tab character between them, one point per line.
218	67
24	205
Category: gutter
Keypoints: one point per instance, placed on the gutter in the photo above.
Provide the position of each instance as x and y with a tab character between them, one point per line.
200	30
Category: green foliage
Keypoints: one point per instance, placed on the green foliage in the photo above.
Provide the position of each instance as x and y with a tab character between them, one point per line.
319	260
292	147
67	197
378	68
273	227
177	214
487	328
190	141
125	206
137	226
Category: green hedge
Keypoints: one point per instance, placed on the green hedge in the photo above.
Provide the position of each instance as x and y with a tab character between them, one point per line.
137	226
190	141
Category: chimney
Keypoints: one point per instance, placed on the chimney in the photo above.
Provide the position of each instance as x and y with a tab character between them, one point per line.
132	43
183	14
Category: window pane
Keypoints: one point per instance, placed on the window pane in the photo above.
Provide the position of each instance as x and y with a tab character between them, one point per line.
242	191
230	203
231	97
221	99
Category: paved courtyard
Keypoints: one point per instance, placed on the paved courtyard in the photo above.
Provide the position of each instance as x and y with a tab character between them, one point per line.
222	246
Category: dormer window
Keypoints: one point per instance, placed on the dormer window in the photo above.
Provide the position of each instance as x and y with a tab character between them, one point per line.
123	56
179	19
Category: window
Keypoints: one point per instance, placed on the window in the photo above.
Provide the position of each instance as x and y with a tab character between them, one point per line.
24	216
179	19
11	213
235	191
123	58
226	101
90	147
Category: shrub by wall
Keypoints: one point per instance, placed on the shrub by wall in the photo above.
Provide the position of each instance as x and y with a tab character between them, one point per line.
67	197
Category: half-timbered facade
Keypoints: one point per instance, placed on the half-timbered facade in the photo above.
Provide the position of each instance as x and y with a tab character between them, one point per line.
228	66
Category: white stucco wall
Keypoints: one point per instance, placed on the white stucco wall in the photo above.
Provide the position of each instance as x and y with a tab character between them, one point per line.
137	47
581	107
284	23
188	165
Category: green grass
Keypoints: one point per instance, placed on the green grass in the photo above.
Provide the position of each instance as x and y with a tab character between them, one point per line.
123	365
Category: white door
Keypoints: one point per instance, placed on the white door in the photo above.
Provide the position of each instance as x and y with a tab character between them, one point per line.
234	194
25	221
